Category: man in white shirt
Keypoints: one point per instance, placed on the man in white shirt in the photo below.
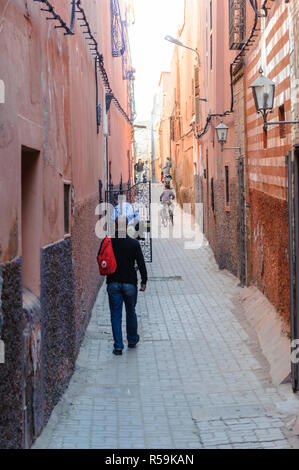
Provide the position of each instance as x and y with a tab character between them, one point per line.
125	209
146	171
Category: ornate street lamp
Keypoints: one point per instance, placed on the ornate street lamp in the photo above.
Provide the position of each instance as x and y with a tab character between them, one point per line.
263	90
179	43
222	131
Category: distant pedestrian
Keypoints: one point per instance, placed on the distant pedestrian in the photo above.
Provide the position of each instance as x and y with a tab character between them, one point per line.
167	167
146	171
166	179
122	285
139	170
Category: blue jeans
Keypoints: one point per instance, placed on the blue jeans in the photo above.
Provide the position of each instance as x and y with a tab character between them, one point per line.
118	294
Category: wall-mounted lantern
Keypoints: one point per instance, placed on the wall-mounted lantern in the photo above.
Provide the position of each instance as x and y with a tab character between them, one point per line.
263	90
222	131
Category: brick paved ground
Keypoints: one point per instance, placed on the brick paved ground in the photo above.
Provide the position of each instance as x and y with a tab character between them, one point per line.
197	379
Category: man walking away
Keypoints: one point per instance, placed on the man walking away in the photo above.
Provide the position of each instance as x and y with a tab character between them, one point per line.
122	285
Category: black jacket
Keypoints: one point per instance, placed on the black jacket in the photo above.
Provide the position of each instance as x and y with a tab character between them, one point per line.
127	251
139	167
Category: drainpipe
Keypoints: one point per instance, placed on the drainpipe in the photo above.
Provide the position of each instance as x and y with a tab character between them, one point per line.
105	134
153	150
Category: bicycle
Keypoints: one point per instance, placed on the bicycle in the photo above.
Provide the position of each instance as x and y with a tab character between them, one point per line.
167	213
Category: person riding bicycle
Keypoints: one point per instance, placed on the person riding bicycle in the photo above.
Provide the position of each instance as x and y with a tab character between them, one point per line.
167	198
167	195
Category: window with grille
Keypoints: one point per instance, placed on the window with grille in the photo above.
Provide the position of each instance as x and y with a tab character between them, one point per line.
172	128
282	117
117	33
196	99
177	132
237	24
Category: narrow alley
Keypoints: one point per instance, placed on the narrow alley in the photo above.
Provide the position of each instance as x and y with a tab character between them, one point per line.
114	102
198	378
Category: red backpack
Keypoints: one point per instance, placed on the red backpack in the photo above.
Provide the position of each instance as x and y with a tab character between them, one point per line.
106	259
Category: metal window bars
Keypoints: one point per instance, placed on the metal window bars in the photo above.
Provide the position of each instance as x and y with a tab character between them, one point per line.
128	73
237	23
237	60
117	32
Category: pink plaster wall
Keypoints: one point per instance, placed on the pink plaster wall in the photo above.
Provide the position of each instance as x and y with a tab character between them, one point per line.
50	107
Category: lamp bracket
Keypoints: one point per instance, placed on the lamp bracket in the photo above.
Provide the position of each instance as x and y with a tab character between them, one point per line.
281	122
230	148
275	123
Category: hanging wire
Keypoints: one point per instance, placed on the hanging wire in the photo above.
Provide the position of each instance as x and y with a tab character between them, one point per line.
265	8
235	63
69	30
117	33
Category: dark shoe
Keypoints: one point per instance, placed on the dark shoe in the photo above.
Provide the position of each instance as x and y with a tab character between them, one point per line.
117	352
131	346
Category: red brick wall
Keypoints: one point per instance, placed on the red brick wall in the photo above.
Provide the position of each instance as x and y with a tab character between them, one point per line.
267	176
269	250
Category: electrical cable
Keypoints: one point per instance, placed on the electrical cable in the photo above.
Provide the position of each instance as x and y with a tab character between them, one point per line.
265	8
235	62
